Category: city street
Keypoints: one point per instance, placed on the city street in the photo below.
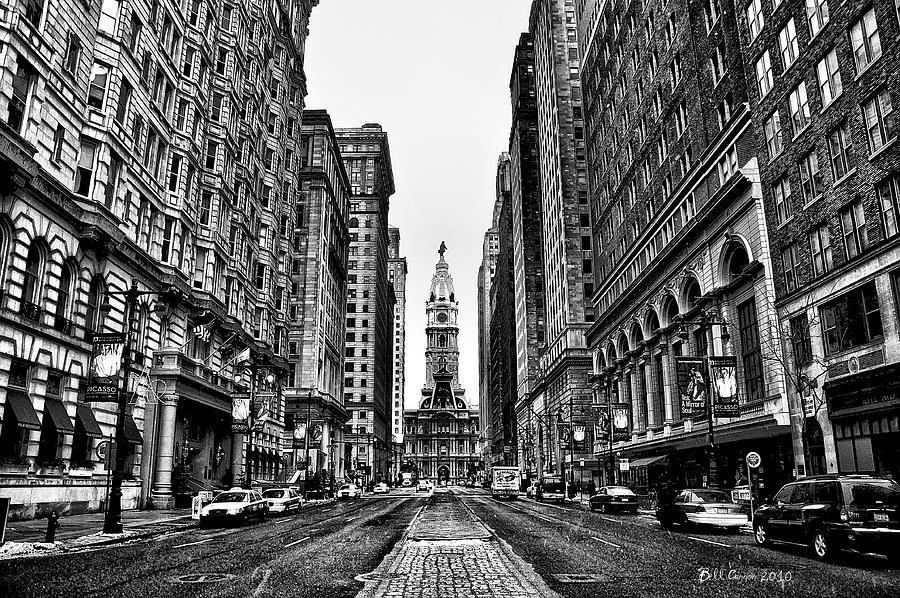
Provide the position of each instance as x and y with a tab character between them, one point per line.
457	542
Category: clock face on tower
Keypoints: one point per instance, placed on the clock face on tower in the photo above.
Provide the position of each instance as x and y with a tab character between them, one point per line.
442	317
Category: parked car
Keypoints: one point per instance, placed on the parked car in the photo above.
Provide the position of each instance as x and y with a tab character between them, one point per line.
381	488
424	486
614	498
283	500
532	487
833	512
349	491
701	506
550	488
236	505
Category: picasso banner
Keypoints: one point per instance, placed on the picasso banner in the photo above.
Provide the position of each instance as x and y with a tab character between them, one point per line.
316	428
299	434
106	367
601	427
621	421
240	413
581	439
692	391
724	385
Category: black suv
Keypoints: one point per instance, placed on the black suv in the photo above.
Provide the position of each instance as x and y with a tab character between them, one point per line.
832	512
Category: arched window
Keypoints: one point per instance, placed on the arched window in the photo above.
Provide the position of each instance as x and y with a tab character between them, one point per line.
5	237
92	315
64	298
652	322
442	340
736	261
32	278
691	294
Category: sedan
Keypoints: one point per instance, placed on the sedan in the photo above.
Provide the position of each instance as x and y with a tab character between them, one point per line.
381	488
614	498
236	505
424	486
283	500
702	506
349	491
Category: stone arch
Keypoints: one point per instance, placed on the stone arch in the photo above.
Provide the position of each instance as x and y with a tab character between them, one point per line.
669	309
636	334
611	354
734	258
690	292
67	288
651	322
34	270
623	346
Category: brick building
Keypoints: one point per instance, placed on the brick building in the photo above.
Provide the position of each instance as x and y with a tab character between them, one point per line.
822	83
149	146
680	243
368	366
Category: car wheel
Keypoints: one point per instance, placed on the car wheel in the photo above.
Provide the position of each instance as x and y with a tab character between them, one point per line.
761	534
665	522
821	544
602	507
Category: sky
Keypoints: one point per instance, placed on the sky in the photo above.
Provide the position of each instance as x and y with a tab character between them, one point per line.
435	75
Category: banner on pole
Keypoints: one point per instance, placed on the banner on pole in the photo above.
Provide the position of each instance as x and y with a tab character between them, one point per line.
601	426
691	382
106	367
581	439
724	385
299	434
621	421
240	413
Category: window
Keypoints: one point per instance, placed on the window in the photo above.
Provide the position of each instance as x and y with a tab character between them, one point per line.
711	10
109	16
888	192
853	230
789	262
34	12
751	358
755	18
852	319
212	148
222	61
73	54
59	141
810	176
878	114
98	86
31	277
681	119
774	140
168	233
799	105
829	74
717	63
839	149
205	207
133	36
781	191
125	91
800	339
816	15
764	74
864	40
820	249
84	173
22	84
787	39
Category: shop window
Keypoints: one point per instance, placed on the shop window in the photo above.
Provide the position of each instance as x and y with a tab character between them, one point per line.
853	319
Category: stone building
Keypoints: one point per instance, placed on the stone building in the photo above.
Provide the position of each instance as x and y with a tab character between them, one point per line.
441	437
562	391
397	270
822	86
489	249
148	147
681	246
314	394
368	363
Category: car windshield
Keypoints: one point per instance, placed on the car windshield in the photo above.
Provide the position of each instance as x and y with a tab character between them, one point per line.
620	491
712	496
275	494
872	492
345	487
232	497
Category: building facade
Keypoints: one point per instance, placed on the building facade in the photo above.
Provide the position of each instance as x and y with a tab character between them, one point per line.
146	148
822	88
397	270
314	393
681	250
368	363
441	437
490	248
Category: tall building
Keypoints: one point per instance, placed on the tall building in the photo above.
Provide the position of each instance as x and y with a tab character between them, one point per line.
822	86
489	250
397	271
562	391
501	331
681	250
148	148
369	361
314	395
441	436
528	278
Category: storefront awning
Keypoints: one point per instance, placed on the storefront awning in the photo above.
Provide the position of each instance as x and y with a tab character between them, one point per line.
58	415
85	415
22	409
645	461
132	434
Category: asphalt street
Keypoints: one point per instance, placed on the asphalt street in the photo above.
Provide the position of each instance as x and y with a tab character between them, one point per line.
330	550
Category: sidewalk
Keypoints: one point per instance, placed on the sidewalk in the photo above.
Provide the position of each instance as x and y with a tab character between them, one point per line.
77	532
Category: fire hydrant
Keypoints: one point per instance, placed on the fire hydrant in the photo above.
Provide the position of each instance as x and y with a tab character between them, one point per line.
52	524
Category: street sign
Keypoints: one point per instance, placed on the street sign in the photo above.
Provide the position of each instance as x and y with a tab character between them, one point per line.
624	464
581	463
102	448
753	459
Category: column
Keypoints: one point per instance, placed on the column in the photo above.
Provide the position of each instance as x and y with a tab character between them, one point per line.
666	384
631	381
647	363
161	496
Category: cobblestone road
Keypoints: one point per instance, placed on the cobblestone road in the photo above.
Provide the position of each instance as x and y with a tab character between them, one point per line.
448	553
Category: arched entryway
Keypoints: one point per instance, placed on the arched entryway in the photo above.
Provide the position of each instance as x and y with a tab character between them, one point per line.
814	441
443	475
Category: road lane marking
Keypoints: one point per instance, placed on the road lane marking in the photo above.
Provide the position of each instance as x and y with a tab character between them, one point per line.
194	543
605	542
297	542
262	584
709	541
349	519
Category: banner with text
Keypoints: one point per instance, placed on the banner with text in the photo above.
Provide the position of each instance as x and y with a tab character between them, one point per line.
621	421
724	384
691	381
106	367
240	413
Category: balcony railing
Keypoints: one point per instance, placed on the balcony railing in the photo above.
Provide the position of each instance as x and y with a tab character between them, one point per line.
62	324
30	310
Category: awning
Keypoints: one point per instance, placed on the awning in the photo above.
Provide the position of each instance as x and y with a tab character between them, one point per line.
85	415
22	409
645	461
132	434
58	415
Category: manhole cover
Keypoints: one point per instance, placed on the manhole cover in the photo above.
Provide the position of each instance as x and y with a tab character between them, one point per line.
203	577
580	577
